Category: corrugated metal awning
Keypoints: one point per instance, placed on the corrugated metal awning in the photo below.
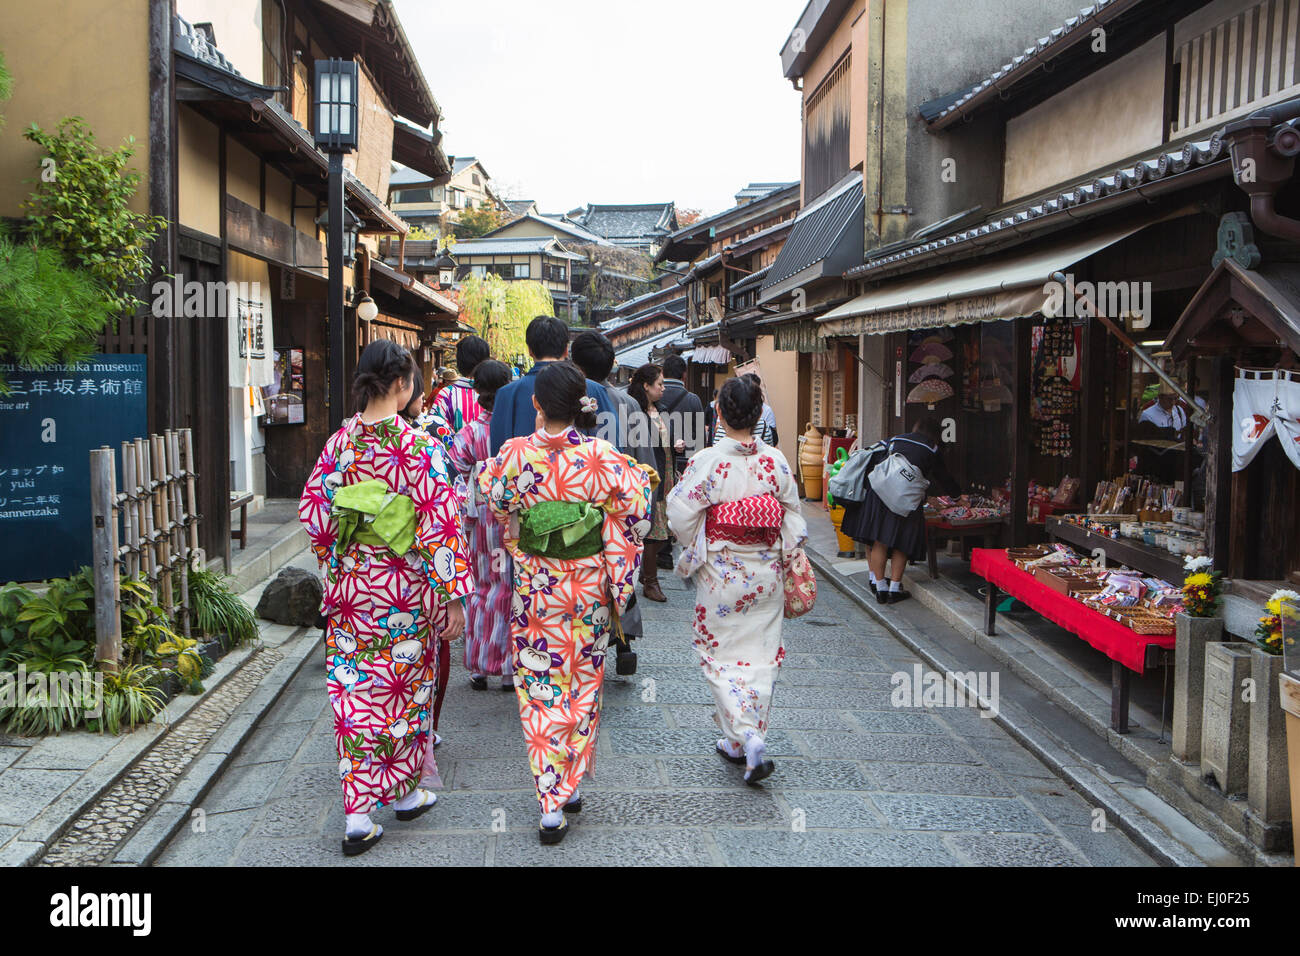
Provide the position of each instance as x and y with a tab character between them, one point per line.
826	240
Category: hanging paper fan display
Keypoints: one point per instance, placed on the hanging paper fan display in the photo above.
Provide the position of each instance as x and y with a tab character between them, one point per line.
930	392
930	371
931	353
938	335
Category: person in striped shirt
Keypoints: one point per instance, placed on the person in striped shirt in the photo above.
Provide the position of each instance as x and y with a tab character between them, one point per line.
457	401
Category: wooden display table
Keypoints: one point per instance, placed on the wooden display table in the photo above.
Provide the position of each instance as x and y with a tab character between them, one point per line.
1128	650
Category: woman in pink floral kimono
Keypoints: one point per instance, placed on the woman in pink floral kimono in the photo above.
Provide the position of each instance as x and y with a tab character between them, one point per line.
735	511
575	509
383	522
487	620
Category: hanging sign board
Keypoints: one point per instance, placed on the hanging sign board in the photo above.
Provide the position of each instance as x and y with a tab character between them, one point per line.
49	422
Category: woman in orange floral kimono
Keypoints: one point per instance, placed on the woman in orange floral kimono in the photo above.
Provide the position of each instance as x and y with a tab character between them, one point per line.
563	606
389	595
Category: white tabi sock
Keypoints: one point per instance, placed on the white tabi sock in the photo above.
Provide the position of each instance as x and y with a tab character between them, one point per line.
359	824
412	800
553	819
874	580
573	798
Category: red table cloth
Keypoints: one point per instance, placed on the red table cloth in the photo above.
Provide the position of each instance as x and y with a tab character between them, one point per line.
1112	638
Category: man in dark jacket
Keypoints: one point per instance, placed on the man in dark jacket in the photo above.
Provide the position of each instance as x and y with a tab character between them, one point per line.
683	410
513	415
684	413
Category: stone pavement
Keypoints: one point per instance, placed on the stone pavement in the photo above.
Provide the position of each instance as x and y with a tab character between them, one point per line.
857	782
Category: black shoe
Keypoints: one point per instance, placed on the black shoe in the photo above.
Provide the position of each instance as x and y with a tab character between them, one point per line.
882	595
478	682
355	846
762	771
574	807
549	836
872	585
727	757
897	596
625	663
510	686
416	812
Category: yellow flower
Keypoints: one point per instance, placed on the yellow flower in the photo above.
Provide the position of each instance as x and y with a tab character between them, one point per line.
1199	580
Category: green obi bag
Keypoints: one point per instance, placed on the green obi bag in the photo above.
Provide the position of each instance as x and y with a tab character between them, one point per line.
370	513
561	529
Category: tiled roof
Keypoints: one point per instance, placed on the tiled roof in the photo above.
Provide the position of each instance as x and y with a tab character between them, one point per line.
758	190
1076	29
402	176
529	246
461	163
559	225
1071	202
750	281
641	221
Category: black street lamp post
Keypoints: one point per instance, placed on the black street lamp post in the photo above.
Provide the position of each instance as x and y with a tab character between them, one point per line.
336	134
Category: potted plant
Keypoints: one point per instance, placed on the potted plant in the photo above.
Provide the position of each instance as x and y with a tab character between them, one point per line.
219	613
1199	623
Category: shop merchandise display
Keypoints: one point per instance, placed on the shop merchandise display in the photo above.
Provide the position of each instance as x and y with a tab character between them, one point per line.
968	509
1144	604
930	392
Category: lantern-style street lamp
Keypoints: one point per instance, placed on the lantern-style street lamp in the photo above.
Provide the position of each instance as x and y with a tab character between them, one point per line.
335	114
446	267
351	226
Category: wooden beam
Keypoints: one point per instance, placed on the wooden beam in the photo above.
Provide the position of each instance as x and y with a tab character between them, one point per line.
1023	359
1218	461
258	234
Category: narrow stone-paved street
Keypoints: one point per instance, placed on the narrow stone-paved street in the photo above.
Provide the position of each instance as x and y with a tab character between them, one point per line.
858	781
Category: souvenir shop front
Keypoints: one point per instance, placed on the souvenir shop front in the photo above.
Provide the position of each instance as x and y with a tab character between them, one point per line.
1068	424
1045	410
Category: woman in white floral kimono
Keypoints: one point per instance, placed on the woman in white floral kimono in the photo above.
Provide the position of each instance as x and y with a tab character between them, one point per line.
734	511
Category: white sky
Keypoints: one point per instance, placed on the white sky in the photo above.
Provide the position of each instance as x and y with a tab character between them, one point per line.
614	101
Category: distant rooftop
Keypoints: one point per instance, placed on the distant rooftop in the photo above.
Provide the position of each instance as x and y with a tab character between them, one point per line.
634	221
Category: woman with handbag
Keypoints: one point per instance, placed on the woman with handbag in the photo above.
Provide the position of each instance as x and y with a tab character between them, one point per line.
646	388
382	519
736	514
574	509
892	516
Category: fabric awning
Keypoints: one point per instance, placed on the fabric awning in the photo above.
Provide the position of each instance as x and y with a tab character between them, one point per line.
1003	289
710	355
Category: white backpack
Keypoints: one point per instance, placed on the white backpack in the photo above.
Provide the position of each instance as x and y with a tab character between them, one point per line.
898	482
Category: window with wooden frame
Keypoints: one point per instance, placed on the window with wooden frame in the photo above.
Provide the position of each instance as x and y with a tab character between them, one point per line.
826	132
